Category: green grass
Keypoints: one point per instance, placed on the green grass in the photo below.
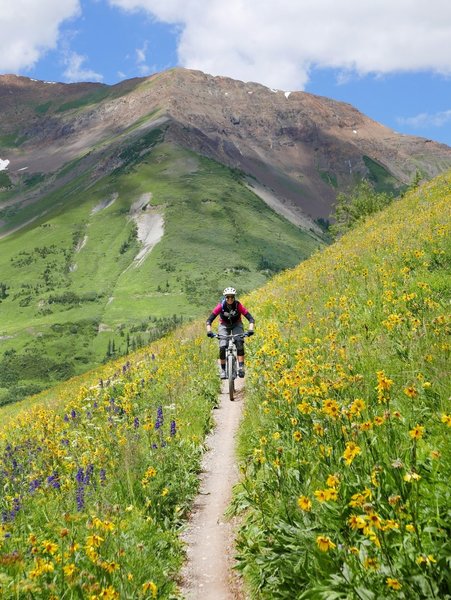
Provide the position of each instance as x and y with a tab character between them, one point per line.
5	181
382	179
329	178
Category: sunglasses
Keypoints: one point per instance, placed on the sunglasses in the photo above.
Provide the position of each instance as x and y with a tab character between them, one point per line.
230	296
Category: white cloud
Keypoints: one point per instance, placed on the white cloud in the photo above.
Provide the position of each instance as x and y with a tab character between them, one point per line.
424	120
277	42
75	71
141	58
29	28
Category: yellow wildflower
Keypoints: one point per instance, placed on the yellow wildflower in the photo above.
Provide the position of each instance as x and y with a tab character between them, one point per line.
321	495
149	586
392	583
69	570
324	543
304	503
49	547
417	432
318	429
333	481
94	541
412	477
356	522
351	451
411	391
424	559
370	563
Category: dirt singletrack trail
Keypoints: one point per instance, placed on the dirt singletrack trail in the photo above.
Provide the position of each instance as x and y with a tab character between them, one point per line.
208	573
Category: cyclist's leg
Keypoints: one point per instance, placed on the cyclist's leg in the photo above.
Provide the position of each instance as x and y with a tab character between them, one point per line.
222	330
238	328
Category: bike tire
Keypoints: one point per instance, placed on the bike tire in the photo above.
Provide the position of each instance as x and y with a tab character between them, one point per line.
231	378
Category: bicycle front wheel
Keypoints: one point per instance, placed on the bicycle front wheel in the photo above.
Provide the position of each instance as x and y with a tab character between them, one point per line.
231	375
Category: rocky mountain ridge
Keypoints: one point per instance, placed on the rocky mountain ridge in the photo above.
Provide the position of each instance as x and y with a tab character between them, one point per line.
300	147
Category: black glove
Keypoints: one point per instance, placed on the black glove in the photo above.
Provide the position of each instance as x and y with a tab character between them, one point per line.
250	332
210	334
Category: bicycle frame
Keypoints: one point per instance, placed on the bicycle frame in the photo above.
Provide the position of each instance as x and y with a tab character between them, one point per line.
231	359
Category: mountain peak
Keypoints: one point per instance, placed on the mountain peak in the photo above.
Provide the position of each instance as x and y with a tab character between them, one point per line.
304	148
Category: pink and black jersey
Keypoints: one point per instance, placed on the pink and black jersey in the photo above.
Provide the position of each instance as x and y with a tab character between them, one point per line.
230	314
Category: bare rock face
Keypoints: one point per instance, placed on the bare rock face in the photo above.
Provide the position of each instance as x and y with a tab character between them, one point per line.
302	147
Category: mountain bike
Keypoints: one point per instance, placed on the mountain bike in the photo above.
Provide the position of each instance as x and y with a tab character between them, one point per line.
231	359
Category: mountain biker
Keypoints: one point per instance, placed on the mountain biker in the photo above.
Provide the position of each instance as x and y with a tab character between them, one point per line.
230	311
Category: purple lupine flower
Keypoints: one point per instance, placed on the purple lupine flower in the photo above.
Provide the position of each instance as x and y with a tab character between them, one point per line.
16	508
102	476
160	418
53	480
173	429
136	423
65	442
80	497
88	474
80	476
66	418
73	414
34	484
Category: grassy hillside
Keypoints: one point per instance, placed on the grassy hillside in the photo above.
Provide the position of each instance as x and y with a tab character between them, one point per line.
95	489
345	459
72	293
344	446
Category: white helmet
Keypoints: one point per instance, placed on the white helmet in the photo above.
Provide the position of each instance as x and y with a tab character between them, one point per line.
229	291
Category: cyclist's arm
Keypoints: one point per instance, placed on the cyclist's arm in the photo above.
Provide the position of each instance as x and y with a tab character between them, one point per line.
243	310
215	312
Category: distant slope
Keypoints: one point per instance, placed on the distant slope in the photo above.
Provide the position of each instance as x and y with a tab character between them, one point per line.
117	262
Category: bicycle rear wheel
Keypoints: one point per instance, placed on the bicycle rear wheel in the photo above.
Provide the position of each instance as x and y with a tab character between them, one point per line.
231	375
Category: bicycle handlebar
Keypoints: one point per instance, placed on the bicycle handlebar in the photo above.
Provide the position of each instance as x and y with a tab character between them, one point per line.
230	335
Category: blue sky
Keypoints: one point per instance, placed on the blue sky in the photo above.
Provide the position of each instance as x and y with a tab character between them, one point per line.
391	59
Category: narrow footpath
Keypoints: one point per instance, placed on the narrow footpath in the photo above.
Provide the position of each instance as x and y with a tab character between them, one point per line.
208	573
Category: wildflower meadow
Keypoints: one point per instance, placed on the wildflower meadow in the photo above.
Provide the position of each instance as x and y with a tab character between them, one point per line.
344	448
94	490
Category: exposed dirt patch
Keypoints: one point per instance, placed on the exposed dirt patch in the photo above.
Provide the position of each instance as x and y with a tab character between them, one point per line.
150	224
208	573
